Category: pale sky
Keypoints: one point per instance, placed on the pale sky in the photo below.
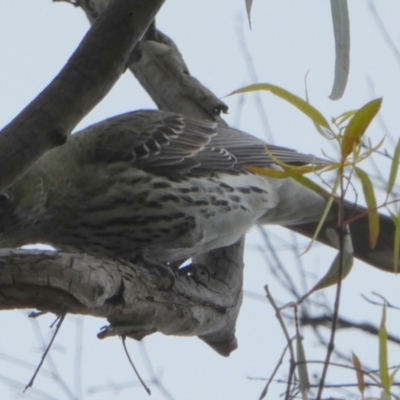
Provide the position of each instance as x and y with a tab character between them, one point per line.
288	39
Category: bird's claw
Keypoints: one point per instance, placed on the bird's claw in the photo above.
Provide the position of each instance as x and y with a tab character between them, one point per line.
198	272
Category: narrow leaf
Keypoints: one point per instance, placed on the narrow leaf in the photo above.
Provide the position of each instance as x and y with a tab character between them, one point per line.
249	4
396	245
323	217
373	214
394	168
308	183
341	30
358	125
304	382
302	169
359	374
279	174
296	101
271	173
296	174
383	354
332	276
396	249
344	117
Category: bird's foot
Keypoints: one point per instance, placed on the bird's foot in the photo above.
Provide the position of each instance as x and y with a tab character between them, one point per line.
162	270
195	271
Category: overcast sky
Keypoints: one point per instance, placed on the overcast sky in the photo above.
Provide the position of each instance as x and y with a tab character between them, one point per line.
288	39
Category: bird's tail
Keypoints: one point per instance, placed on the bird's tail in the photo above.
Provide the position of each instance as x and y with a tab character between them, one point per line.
381	256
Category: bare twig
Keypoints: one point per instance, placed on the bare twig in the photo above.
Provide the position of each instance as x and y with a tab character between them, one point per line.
154	378
78	356
274	372
134	368
384	32
341	231
385	301
253	78
288	340
344	323
60	320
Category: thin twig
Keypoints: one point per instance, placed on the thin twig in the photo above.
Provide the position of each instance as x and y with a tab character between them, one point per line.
154	377
32	394
59	320
343	323
289	283
133	366
385	301
78	357
288	340
367	373
328	385
384	32
253	77
335	315
53	367
271	378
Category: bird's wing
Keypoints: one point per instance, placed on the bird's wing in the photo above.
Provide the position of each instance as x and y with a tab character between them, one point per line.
169	144
250	150
155	141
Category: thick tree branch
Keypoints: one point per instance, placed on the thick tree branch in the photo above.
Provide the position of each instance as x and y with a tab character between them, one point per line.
161	70
87	77
163	73
129	296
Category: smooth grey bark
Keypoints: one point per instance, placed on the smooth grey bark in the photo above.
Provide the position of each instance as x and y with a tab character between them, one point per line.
165	76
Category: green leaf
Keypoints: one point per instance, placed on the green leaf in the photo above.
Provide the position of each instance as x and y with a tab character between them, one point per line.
299	103
308	183
358	125
271	173
359	374
344	117
373	215
332	276
396	245
394	168
383	354
304	382
323	216
341	30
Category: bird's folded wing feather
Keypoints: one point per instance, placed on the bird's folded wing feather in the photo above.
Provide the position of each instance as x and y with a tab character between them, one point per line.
166	143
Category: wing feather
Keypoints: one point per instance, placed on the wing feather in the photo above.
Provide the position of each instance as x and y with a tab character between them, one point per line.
165	143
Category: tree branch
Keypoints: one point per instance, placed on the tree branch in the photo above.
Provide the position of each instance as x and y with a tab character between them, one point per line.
129	296
165	76
87	77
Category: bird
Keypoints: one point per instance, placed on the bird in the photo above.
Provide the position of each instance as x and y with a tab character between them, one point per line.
159	184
